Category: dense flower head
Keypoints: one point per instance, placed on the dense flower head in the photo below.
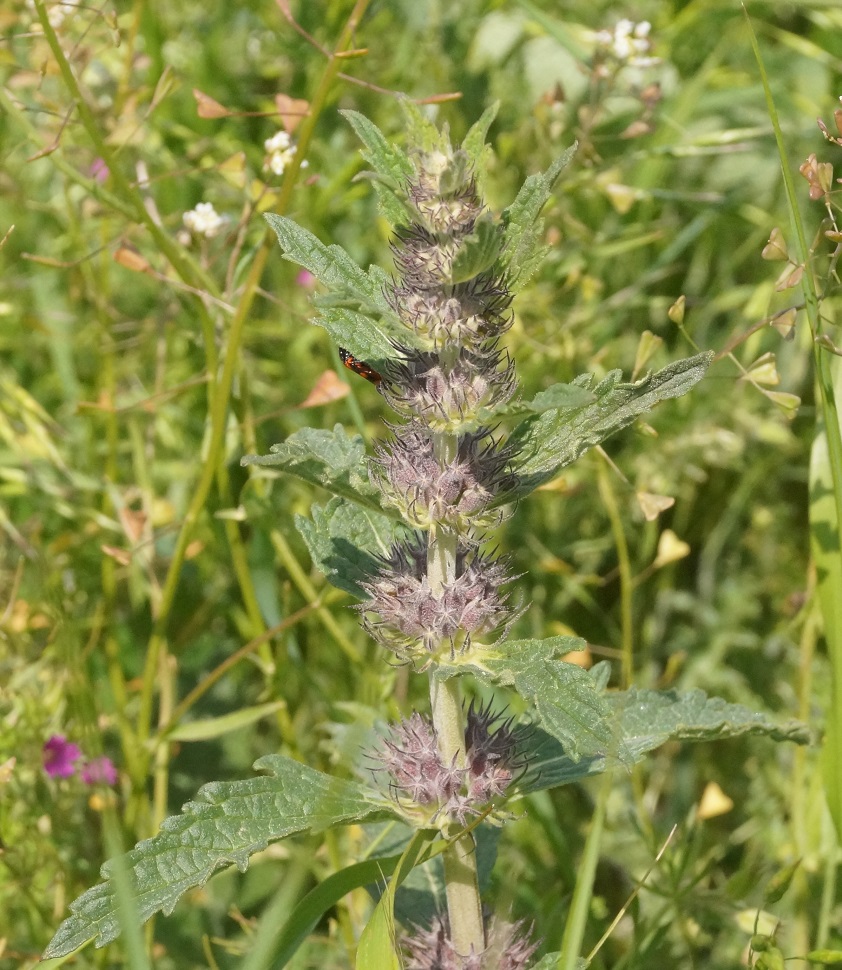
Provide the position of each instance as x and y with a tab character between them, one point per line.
406	616
448	392
430	948
444	192
462	314
457	494
432	791
424	259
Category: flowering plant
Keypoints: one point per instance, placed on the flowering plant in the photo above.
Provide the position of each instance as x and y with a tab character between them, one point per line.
408	533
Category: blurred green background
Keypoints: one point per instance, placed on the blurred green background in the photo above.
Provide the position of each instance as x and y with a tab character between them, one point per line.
139	362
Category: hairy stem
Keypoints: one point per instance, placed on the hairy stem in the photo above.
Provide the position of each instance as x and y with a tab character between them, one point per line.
464	907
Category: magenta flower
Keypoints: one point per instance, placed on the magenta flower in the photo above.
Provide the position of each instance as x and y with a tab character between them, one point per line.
99	771
98	170
59	755
305	279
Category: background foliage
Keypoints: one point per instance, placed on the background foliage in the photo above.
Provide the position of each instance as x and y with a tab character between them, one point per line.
123	340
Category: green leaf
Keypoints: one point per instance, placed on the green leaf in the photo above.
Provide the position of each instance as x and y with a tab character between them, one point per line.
474	144
227	823
521	252
555	397
644	720
392	167
478	251
421	132
367	338
377	949
383	155
344	538
551	441
824	544
216	727
310	910
567	702
331	265
648	718
551	962
327	458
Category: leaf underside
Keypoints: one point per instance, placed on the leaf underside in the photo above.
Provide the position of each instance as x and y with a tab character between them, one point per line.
551	441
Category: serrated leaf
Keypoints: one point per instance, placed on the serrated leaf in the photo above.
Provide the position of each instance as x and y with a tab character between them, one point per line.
421	132
384	156
567	702
478	251
549	442
392	168
556	396
225	824
344	539
648	718
644	720
474	144
331	265
523	231
327	458
391	204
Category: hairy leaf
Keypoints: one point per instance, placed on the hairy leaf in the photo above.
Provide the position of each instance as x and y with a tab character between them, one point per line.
344	540
521	250
327	458
554	439
474	144
331	265
383	155
367	338
227	823
644	720
392	168
567	702
648	718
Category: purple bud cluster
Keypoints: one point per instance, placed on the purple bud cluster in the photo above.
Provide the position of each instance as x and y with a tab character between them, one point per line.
443	470
431	791
440	596
402	610
430	948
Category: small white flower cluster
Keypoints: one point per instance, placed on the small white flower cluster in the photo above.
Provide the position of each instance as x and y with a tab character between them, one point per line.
279	152
56	12
204	220
628	42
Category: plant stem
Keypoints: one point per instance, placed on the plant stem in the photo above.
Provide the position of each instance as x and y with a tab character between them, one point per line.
464	907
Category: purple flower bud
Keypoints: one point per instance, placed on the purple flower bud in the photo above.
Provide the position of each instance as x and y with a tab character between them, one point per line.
449	395
466	315
430	948
420	779
457	496
404	615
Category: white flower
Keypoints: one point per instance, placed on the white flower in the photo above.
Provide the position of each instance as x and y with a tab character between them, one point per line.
280	151
204	220
628	42
55	12
279	142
